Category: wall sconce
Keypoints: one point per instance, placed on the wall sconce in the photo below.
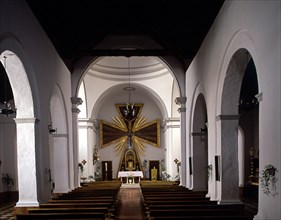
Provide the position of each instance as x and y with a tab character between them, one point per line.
51	129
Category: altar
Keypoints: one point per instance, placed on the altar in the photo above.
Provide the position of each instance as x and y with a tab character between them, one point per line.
128	174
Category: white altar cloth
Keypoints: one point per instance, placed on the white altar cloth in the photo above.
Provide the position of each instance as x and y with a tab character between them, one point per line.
130	174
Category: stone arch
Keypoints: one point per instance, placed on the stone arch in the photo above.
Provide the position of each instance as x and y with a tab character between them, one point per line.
228	123
228	126
199	149
235	60
25	127
59	147
150	92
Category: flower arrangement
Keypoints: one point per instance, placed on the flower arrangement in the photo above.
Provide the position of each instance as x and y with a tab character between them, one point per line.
269	179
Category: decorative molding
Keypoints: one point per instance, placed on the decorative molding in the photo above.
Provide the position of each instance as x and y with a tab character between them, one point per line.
75	110
198	134
259	97
86	127
26	120
76	101
60	135
170	123
181	109
180	100
227	117
86	123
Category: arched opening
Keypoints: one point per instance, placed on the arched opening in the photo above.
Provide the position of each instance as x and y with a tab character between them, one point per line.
25	130
249	123
104	81
8	143
58	144
239	91
200	146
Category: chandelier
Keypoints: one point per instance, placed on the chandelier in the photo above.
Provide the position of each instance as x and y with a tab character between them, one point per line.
6	108
129	110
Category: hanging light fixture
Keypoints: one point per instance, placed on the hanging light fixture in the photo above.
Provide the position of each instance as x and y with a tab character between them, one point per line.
6	108
129	110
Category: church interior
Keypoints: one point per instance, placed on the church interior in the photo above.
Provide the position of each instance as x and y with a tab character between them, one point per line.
136	110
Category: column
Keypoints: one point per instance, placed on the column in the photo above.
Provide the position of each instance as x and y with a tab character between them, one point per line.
75	111
172	136
61	172
86	144
182	110
228	192
26	160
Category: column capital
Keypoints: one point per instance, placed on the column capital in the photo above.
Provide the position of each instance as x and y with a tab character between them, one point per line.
181	109
26	120
76	101
259	96
171	123
180	100
75	110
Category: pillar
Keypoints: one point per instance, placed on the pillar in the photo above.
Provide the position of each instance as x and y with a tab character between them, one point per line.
75	111
228	164
61	172
26	161
182	110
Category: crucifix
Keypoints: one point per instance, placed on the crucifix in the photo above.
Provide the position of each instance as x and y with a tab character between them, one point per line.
129	132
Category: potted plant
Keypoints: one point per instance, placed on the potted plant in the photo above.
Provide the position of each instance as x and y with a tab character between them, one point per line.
268	178
8	181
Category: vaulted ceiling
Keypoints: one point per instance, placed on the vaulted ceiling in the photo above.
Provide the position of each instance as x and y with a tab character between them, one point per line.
77	27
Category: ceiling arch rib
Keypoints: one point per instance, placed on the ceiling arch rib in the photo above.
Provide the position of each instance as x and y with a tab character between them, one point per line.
117	69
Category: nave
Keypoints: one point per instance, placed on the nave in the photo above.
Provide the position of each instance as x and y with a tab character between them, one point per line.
147	200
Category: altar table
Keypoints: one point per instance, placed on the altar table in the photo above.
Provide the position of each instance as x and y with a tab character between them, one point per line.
128	174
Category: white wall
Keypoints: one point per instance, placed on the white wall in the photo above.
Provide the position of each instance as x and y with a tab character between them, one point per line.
254	25
107	110
24	36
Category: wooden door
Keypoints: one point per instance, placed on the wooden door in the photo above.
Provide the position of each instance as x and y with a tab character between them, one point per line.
106	170
152	164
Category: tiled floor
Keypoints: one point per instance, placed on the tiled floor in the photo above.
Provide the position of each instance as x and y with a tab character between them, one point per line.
6	211
130	205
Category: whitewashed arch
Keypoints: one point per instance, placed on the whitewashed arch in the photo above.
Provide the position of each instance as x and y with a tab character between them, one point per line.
25	120
231	74
59	146
199	146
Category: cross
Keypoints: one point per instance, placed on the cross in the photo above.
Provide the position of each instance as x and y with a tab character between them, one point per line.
135	131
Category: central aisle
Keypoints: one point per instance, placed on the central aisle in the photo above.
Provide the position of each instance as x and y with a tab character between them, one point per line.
130	204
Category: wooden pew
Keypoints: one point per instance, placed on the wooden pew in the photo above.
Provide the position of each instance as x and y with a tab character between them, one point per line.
69	216
90	202
175	202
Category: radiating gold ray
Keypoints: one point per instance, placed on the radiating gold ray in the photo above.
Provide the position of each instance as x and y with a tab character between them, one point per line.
148	124
139	123
121	144
139	145
119	123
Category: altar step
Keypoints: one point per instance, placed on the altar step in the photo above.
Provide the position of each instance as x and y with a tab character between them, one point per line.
130	185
